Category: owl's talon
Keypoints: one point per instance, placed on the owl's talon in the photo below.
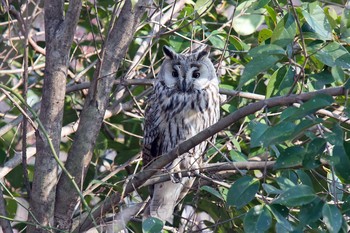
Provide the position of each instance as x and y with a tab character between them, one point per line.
176	177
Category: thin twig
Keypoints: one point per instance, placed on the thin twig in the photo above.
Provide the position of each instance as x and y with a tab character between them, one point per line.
4	223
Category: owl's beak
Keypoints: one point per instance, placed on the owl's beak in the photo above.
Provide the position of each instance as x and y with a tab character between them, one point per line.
184	85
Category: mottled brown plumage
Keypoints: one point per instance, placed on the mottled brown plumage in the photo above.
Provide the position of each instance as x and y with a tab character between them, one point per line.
185	101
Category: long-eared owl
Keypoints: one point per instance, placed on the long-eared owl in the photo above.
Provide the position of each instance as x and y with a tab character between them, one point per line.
185	101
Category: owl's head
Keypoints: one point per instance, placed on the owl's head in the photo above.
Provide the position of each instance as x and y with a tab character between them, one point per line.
187	72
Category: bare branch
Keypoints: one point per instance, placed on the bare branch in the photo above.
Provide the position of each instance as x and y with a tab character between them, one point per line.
59	32
5	224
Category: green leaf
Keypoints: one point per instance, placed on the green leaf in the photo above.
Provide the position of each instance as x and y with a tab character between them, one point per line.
309	107
256	66
303	177
212	191
257	129
296	196
285	131
258	219
178	43
269	189
216	40
317	20
290	157
237	156
242	191
321	79
345	24
333	54
338	75
277	133
278	213
284	183
311	212
285	31
265	50
313	152
238	44
152	225
229	108
280	81
262	3
341	160
332	217
247	19
335	187
264	34
202	6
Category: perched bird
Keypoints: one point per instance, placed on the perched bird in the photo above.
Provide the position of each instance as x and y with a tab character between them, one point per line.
185	101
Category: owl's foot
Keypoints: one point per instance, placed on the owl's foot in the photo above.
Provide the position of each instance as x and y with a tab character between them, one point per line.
189	164
175	174
176	177
193	166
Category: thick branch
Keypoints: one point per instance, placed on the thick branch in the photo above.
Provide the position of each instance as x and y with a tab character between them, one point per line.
79	156
59	32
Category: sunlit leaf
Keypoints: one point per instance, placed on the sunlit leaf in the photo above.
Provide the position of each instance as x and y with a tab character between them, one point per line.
285	31
202	6
332	54
317	20
247	18
269	189
264	34
265	50
280	81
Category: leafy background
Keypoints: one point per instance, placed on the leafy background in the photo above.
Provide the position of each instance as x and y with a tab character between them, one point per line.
295	156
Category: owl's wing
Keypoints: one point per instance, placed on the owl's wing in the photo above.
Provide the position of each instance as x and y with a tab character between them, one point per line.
150	148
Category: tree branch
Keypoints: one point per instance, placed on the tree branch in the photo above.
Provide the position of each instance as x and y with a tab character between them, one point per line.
59	32
79	156
4	223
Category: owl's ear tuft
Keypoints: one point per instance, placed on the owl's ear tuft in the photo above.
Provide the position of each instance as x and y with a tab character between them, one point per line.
203	52
169	52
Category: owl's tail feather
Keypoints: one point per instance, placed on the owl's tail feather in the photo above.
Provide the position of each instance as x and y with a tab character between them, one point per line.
165	197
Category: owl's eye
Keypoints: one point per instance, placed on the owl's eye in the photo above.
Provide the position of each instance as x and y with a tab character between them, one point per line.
196	74
175	74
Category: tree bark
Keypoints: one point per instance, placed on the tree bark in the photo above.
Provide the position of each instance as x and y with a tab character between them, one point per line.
79	156
59	32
